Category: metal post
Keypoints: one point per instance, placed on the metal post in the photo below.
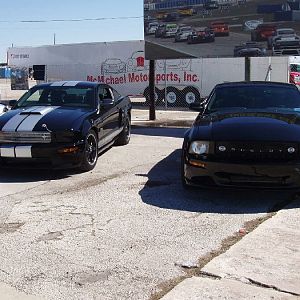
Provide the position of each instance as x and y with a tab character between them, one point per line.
152	90
247	68
165	70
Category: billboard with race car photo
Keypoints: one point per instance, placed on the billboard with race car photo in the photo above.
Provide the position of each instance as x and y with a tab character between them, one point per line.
221	28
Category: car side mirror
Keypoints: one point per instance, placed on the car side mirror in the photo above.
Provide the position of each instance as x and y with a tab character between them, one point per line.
197	107
107	103
12	103
3	108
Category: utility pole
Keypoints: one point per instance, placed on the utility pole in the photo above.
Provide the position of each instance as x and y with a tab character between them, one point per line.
54	41
152	90
247	68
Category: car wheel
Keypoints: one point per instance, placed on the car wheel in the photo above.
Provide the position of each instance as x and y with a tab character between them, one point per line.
124	136
90	155
172	96
146	94
191	95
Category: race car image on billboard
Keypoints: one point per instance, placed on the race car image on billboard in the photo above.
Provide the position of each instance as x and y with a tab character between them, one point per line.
232	23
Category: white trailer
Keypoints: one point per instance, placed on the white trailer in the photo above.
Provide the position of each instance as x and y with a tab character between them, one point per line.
122	65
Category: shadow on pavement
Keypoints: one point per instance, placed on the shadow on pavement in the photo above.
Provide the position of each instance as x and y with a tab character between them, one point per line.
163	189
16	175
159	131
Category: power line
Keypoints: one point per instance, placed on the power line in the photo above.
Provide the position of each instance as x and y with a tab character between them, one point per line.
73	20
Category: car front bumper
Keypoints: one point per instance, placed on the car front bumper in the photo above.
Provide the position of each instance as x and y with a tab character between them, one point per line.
272	175
41	155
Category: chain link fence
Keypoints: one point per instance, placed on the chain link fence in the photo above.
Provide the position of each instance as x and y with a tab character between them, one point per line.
178	83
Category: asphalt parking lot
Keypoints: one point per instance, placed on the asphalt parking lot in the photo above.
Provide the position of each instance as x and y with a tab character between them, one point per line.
222	47
126	230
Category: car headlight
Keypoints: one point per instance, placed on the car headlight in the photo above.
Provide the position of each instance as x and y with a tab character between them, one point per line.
199	147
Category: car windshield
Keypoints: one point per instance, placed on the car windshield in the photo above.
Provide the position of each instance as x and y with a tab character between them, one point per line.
58	96
185	29
286	31
254	97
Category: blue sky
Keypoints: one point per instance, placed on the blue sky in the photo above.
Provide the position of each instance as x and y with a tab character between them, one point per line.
13	31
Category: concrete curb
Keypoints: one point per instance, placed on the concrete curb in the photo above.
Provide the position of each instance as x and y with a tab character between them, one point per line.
264	264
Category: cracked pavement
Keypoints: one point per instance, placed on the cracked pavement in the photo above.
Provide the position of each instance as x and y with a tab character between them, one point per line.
122	231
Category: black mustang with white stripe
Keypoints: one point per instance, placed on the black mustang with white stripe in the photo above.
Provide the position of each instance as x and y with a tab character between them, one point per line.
64	124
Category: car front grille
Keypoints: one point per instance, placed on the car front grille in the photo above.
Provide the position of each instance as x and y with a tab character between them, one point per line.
25	137
256	151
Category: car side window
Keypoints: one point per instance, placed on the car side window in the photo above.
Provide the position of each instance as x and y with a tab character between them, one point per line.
100	94
117	96
107	93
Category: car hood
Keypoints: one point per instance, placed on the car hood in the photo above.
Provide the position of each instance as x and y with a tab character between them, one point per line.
247	126
56	118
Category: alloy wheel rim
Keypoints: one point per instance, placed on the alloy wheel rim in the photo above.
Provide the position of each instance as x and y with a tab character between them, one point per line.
91	149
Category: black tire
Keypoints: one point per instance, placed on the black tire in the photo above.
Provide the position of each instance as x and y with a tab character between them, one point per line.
90	155
172	96
158	95
191	95
124	136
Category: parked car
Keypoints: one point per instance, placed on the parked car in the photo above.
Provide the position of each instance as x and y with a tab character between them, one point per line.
64	124
160	29
220	28
151	28
249	49
284	41
247	134
201	35
169	30
3	108
113	66
183	33
263	31
284	38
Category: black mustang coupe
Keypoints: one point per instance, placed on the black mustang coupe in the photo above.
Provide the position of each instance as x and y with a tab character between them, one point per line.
64	124
247	134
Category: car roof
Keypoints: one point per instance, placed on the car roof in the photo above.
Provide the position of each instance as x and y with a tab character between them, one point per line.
201	28
86	84
256	83
279	29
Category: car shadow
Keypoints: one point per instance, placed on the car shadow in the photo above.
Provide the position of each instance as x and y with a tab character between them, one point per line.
17	175
159	131
163	189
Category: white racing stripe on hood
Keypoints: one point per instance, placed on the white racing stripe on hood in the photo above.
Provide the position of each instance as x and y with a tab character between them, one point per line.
13	123
24	121
32	119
